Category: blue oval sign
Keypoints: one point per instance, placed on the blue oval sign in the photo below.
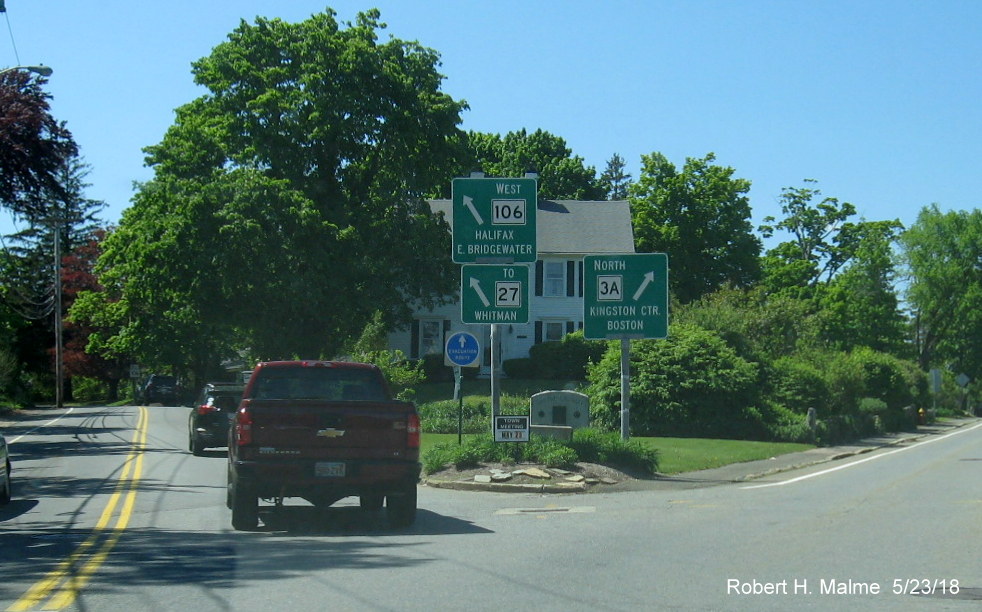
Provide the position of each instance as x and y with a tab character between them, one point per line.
463	350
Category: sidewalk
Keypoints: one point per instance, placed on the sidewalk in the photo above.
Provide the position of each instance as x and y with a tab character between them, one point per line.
736	472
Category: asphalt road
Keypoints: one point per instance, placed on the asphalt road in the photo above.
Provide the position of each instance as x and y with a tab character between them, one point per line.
111	512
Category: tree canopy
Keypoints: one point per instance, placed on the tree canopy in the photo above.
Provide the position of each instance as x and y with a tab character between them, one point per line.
286	209
943	257
562	175
34	147
700	216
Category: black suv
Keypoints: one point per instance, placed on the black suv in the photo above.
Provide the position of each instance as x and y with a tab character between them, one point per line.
211	414
160	388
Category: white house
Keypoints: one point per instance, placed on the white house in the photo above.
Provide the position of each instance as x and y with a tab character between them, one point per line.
566	231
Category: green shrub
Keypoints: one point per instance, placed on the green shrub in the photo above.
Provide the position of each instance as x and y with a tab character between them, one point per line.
567	359
520	368
798	385
442	416
594	446
691	384
86	389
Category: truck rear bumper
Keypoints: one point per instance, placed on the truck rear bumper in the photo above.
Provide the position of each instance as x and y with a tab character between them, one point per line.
285	478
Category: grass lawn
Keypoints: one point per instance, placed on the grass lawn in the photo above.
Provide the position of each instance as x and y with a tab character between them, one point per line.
676	455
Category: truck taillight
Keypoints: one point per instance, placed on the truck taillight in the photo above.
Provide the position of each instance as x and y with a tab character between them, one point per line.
413	431
243	427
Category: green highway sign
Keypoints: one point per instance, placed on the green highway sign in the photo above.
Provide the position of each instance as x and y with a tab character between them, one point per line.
625	296
494	294
494	220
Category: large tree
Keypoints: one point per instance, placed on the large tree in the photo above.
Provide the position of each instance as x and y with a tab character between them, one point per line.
700	216
860	305
614	179
942	252
34	147
562	175
286	205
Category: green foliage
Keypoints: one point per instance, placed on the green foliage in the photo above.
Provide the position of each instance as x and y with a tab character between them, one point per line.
941	252
797	384
758	326
442	416
700	216
521	367
691	384
567	359
562	176
286	199
607	448
587	446
614	179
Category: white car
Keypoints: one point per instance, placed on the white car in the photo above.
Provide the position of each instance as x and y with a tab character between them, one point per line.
4	472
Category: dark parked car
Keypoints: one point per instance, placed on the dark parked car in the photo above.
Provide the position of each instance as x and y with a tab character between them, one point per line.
4	471
211	414
160	388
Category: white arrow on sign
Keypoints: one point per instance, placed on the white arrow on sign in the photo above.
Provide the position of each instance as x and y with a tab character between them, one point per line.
469	203
476	286
648	279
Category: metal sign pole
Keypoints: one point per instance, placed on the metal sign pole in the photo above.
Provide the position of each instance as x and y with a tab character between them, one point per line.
495	383
625	389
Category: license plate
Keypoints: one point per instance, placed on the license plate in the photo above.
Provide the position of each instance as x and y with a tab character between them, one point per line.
328	469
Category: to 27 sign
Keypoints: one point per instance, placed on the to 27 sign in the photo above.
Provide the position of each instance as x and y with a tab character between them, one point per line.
494	294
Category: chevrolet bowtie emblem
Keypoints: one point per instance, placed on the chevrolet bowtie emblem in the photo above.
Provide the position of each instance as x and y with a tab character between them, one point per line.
330	433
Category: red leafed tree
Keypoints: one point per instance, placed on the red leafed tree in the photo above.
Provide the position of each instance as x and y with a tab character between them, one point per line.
77	274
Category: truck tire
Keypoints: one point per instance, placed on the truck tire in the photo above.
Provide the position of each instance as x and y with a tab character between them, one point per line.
245	507
401	507
5	491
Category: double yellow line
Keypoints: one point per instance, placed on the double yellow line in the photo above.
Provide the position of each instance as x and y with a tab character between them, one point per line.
62	585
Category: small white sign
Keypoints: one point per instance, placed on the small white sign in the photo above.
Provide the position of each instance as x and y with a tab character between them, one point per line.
511	429
508	212
508	294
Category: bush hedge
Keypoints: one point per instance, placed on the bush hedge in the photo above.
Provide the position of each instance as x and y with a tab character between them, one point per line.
587	445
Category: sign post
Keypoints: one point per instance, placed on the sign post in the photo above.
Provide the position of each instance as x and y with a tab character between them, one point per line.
625	297
494	222
461	350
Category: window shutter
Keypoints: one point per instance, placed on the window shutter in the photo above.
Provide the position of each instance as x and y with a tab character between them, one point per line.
570	278
538	332
414	340
581	279
538	277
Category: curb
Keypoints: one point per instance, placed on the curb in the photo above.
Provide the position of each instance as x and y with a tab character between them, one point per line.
582	487
504	487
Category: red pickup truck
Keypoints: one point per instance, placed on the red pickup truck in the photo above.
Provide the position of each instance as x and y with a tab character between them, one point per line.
322	431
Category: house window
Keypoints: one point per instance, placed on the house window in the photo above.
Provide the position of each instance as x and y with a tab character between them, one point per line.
555	279
430	337
554	331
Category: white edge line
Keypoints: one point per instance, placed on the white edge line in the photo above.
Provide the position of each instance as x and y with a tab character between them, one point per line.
863	460
51	422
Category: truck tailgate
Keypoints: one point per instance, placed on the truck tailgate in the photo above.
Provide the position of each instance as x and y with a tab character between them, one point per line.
313	427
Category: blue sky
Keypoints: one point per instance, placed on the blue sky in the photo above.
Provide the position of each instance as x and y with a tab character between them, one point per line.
880	102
